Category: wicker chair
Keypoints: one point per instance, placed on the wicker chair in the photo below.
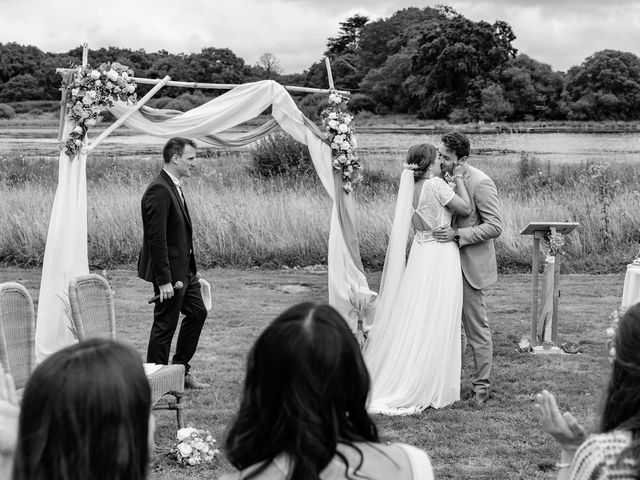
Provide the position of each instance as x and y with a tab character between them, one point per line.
93	315
17	333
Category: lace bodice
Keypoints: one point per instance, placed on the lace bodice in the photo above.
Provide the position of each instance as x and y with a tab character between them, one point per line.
435	194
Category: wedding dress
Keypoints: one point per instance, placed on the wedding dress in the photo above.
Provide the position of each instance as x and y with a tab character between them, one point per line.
413	351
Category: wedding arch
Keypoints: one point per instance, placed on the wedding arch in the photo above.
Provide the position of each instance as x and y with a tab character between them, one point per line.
66	252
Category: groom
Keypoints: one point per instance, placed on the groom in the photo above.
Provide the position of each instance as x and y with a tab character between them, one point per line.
474	235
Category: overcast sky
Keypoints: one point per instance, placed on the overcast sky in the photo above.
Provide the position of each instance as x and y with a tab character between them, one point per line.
561	33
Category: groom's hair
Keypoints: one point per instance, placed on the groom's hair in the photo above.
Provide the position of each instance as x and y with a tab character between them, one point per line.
176	146
305	390
458	143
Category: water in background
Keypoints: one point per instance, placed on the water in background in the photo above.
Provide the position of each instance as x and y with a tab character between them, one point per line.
546	147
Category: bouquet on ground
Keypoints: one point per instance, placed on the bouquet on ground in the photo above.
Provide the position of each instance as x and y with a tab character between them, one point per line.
341	137
194	447
91	91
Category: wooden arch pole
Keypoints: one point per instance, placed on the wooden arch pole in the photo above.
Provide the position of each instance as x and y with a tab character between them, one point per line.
329	74
124	117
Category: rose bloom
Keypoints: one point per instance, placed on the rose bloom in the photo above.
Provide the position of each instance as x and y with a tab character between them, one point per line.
131	88
185	433
338	138
333	115
343	128
112	75
78	129
333	124
335	98
345	145
90	122
335	146
98	83
87	100
95	74
75	91
347	119
185	449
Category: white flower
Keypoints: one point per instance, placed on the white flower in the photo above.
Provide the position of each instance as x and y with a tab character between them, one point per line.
347	119
90	122
78	143
131	88
185	433
125	75
77	129
333	115
202	446
185	449
75	91
95	74
98	83
335	146
335	98
611	332
333	124
345	145
343	128
192	461
112	75
353	142
339	138
342	158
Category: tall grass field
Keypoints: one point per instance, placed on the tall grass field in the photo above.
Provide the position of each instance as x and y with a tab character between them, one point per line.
244	220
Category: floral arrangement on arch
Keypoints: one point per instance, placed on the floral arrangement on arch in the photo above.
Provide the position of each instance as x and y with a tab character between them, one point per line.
91	91
341	137
194	447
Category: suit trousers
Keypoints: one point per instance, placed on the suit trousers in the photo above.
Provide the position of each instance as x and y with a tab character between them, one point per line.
477	334
187	301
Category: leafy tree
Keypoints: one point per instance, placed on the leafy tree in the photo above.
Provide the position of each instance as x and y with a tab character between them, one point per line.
457	60
494	106
605	87
20	88
348	39
216	65
386	85
532	88
269	66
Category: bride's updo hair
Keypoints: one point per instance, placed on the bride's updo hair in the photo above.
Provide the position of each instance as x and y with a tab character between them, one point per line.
422	156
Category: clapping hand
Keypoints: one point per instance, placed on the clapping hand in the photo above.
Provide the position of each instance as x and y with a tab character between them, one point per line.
563	427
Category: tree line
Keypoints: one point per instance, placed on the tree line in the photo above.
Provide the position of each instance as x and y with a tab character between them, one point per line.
430	62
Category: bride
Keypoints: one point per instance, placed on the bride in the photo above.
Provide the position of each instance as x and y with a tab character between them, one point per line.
413	352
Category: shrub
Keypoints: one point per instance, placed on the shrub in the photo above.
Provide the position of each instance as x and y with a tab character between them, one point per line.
36	112
280	155
360	102
6	111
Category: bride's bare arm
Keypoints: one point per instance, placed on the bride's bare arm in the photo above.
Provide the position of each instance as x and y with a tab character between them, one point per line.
460	202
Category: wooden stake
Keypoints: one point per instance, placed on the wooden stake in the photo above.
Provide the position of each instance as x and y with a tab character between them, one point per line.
85	54
329	74
534	288
218	86
123	118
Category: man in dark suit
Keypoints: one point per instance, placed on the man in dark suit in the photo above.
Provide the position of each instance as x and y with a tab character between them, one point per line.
167	257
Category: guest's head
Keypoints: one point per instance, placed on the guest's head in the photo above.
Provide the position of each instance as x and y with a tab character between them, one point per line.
424	157
305	390
621	409
86	414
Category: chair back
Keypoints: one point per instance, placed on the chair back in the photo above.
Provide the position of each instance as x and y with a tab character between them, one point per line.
92	307
17	332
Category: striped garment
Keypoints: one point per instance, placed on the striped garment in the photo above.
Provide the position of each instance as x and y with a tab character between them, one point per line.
597	457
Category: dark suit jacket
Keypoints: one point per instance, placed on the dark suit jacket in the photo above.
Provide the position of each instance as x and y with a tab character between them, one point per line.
167	246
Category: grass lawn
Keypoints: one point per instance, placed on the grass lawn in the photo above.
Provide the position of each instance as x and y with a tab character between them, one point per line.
502	440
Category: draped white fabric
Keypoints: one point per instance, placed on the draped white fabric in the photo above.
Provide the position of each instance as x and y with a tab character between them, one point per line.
65	254
394	262
66	250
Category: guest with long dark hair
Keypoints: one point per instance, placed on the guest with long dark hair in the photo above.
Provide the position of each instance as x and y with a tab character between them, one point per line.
85	414
614	453
303	411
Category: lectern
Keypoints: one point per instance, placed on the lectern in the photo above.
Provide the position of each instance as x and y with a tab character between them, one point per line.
540	231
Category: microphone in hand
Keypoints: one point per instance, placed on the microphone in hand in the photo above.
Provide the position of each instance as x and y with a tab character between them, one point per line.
177	286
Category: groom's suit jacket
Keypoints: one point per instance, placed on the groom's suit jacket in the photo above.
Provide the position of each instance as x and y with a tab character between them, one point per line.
167	245
477	231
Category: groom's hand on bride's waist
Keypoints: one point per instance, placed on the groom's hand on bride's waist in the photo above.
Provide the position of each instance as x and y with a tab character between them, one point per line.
443	234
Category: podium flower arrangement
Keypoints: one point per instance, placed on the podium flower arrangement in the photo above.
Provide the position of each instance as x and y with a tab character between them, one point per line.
91	91
341	137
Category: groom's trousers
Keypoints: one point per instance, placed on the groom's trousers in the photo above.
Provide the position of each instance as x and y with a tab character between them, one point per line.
477	334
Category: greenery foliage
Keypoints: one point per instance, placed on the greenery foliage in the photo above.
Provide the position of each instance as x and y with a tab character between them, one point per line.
280	155
6	111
